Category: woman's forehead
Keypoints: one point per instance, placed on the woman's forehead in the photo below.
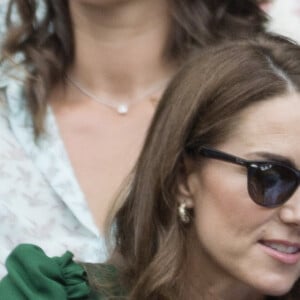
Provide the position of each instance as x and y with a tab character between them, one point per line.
269	124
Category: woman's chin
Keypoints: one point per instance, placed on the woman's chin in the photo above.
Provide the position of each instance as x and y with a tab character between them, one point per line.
277	287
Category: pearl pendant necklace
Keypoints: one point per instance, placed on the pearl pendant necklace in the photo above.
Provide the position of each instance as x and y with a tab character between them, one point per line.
122	108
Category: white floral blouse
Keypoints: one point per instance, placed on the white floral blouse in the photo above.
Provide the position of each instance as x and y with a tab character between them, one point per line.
40	199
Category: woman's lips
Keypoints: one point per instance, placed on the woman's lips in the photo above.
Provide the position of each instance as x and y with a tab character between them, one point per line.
283	251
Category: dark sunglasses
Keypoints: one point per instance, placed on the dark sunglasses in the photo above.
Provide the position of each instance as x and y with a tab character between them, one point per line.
270	184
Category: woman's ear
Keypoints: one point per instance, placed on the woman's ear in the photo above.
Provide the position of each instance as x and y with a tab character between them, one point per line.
184	188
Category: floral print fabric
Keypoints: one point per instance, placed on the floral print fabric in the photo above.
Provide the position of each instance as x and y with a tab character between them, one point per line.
40	199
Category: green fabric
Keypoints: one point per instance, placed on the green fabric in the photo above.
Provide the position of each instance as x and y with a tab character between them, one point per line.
34	276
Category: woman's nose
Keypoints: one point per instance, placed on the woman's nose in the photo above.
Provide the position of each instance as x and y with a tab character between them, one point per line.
290	211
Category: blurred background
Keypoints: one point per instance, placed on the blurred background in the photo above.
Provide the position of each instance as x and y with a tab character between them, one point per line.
284	17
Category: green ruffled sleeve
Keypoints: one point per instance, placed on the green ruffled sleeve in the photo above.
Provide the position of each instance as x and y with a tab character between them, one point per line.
32	275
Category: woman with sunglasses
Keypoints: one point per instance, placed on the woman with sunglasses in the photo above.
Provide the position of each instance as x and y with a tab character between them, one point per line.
214	206
80	84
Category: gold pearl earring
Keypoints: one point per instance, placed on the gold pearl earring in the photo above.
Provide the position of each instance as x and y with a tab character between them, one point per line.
183	213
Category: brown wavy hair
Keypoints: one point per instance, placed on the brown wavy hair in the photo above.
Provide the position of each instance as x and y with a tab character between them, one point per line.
202	105
47	43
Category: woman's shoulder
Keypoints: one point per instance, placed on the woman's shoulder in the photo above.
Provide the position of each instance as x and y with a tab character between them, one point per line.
33	275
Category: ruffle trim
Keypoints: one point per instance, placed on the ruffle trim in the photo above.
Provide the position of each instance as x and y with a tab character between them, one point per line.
74	276
33	275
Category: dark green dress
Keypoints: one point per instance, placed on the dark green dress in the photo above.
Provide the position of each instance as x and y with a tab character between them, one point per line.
32	275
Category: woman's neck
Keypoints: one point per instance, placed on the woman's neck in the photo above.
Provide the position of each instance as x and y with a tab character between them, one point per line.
219	290
120	48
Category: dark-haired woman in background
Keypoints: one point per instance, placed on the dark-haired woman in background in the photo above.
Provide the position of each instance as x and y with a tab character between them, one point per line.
79	84
214	206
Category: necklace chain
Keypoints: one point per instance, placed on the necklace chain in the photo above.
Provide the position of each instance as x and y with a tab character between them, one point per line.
122	108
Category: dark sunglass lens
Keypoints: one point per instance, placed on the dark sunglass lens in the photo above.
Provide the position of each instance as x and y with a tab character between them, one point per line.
271	185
